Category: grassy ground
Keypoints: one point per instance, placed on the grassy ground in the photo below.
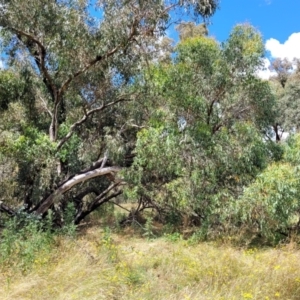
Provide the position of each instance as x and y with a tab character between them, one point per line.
102	265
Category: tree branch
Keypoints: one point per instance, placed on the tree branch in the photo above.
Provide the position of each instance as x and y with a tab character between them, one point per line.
39	60
46	107
6	209
83	119
103	194
99	58
117	204
82	194
79	178
40	56
100	163
99	200
216	127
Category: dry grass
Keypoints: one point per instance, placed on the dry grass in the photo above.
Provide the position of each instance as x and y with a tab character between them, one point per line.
102	266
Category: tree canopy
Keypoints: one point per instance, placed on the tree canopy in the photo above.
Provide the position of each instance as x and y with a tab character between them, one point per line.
98	105
67	85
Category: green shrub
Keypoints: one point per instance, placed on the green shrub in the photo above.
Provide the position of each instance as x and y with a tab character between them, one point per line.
23	240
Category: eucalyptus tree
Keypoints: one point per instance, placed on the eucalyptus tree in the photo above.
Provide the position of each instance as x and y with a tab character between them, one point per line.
286	88
67	135
205	141
270	206
190	29
283	68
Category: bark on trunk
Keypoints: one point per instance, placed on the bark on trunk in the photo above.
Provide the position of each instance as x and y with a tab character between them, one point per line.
70	183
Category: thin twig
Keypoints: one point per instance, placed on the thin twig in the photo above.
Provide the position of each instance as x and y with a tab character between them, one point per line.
120	206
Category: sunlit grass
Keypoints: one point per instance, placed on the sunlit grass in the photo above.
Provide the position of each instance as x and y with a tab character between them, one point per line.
101	265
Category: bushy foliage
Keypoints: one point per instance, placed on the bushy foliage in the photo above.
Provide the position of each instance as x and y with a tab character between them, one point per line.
204	143
270	206
24	240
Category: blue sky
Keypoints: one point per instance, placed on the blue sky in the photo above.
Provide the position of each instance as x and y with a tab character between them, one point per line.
274	18
277	20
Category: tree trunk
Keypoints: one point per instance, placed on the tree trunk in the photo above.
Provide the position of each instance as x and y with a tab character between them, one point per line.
67	185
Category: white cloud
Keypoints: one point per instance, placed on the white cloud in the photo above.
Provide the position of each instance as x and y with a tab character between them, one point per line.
289	49
265	72
1	64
